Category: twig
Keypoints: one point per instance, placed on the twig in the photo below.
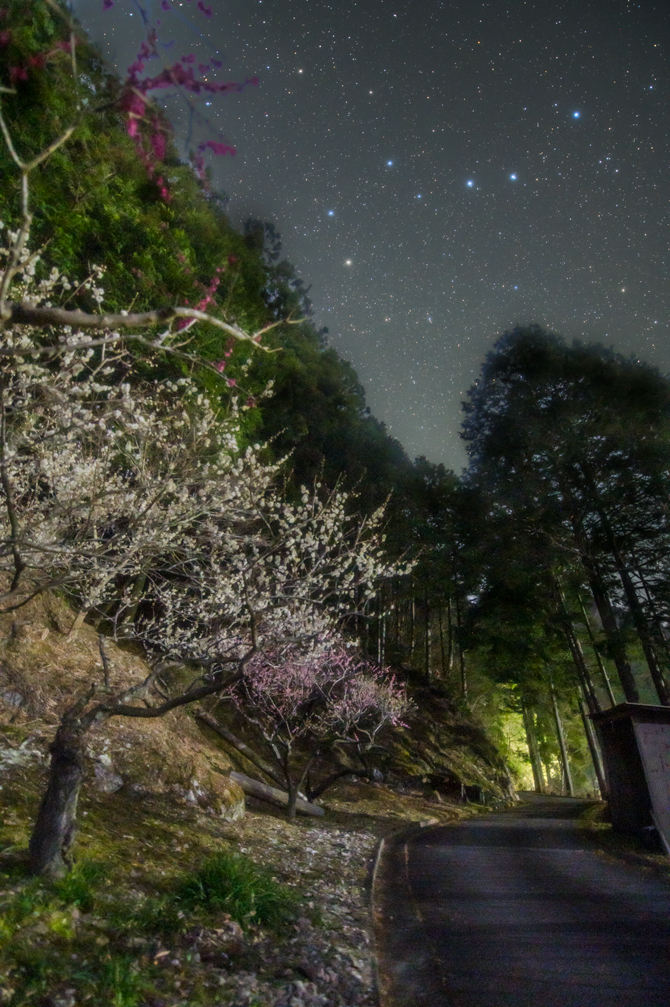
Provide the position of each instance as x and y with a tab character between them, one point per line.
19	563
105	658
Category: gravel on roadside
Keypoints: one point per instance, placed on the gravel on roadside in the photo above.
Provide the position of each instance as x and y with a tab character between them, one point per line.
324	958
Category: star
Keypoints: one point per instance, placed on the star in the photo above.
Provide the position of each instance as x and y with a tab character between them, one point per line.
592	219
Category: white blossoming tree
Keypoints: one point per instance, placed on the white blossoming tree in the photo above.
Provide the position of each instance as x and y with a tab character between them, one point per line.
118	491
133	498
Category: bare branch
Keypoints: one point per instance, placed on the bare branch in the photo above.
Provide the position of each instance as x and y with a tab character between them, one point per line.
8	140
28	314
10	503
124	710
105	658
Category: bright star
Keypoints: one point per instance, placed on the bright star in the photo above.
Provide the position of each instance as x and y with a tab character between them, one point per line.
389	163
347	262
331	213
470	183
419	196
576	115
513	177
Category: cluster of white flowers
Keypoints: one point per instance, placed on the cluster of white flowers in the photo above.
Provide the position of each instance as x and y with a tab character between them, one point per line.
27	289
123	491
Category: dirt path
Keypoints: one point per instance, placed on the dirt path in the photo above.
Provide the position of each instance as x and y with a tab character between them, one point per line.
516	910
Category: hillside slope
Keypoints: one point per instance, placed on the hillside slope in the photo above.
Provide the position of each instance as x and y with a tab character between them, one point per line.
157	808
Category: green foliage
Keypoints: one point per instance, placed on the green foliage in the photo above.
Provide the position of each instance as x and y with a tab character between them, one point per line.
75	934
231	883
43	949
94	203
79	887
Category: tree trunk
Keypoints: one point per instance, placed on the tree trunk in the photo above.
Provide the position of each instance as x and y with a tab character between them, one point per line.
567	776
601	666
77	624
531	739
136	594
412	620
440	627
594	750
615	643
461	655
634	605
56	824
428	639
450	637
657	624
292	801
578	659
381	627
637	612
272	795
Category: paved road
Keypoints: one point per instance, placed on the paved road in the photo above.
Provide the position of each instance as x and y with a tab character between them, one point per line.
515	910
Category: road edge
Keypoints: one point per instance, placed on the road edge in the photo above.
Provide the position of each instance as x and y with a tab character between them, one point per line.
386	843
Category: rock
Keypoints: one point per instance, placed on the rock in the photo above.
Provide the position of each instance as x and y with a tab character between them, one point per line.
106	779
14	699
216	794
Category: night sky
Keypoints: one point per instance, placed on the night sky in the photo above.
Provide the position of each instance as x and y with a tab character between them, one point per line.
441	171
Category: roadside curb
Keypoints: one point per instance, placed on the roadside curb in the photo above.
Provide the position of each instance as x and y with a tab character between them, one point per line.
386	843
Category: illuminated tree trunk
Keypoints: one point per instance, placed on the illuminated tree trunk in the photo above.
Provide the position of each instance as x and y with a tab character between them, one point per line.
428	639
533	751
450	637
613	636
593	749
565	763
443	667
639	618
461	655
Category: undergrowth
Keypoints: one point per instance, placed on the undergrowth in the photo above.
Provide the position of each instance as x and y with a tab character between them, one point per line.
72	941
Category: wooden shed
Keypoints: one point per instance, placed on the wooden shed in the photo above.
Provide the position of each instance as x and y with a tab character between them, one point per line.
635	743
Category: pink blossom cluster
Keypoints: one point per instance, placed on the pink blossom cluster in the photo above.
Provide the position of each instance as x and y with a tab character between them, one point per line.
328	693
36	62
209	292
182	76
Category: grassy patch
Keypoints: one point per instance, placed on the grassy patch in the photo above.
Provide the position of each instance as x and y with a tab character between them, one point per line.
76	940
228	882
626	847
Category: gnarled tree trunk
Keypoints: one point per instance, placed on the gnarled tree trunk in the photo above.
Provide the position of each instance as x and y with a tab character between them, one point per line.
56	823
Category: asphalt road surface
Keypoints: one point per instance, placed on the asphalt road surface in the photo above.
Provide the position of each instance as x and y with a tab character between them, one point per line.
516	909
